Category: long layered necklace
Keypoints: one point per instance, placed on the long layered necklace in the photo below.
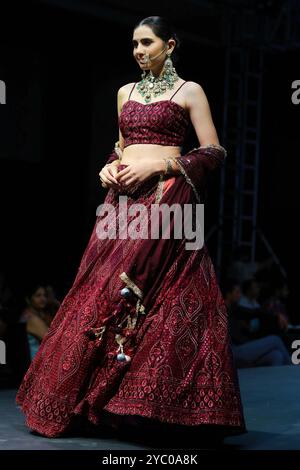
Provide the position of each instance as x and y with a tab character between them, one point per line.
150	86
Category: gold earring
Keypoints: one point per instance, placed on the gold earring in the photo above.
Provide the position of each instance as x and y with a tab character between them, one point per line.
168	63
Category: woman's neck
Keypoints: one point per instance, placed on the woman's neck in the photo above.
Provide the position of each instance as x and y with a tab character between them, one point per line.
157	72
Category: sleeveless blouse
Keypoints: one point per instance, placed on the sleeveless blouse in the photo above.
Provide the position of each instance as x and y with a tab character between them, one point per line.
163	122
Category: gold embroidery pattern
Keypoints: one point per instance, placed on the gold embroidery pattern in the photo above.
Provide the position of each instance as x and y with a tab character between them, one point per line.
159	190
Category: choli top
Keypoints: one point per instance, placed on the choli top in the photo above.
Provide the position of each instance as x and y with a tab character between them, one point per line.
163	122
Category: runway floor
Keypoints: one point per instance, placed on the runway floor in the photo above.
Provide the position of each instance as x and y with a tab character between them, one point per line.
270	398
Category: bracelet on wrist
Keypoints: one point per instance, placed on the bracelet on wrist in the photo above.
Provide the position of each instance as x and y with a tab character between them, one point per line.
168	168
118	150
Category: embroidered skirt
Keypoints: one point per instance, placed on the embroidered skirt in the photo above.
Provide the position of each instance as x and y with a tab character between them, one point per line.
181	366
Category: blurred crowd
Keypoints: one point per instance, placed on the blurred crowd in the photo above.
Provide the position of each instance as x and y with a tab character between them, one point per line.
257	299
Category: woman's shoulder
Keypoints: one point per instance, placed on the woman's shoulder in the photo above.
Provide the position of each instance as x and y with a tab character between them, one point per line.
194	94
124	89
122	95
191	84
193	87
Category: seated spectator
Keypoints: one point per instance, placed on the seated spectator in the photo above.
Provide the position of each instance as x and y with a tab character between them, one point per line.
250	293
275	305
249	300
242	268
35	317
249	352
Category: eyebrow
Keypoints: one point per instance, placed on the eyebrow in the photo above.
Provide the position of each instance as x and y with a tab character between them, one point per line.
133	40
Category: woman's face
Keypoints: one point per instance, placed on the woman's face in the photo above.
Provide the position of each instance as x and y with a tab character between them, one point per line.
39	298
144	42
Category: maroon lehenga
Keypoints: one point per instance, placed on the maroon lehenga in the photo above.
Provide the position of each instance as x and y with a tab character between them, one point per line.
178	365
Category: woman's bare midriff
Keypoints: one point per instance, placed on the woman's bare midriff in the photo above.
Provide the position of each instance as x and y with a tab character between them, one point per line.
144	152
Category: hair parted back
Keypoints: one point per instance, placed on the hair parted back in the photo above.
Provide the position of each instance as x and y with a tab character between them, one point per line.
162	28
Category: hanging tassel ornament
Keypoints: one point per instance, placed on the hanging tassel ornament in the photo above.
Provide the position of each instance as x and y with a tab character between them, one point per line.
129	307
121	357
124	335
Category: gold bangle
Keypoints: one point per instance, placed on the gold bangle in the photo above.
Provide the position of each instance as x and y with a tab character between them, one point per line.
174	160
118	150
169	167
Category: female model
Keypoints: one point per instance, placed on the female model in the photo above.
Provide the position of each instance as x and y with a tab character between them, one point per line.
143	330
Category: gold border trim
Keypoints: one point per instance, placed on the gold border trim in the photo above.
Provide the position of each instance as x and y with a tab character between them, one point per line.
181	168
188	180
159	189
216	146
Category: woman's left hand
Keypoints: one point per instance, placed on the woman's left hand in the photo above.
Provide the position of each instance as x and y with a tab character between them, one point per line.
137	172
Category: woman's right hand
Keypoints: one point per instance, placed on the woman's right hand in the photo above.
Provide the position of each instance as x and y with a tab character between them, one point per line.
107	175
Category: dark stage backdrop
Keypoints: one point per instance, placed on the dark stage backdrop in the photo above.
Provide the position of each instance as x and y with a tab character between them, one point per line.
62	71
